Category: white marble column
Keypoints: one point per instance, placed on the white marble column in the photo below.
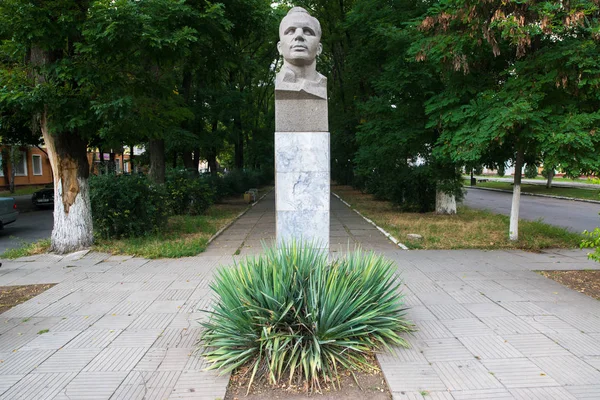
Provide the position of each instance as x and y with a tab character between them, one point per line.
302	168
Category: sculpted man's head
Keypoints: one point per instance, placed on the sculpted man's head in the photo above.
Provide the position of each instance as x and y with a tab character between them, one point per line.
299	37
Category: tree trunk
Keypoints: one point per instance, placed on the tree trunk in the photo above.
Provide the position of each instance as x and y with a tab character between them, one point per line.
445	203
131	156
13	169
550	177
188	161
5	169
112	166
101	165
157	160
239	143
196	158
73	227
212	162
513	230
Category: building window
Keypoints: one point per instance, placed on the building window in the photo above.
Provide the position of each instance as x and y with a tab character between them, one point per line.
36	161
21	165
126	166
1	166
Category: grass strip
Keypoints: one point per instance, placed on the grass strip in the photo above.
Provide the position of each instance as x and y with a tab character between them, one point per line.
469	229
184	235
574	193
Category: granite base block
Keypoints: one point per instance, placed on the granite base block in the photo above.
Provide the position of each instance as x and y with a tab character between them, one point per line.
301	115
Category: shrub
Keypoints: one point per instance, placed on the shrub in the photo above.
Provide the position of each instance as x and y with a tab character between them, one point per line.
592	241
501	169
292	313
531	171
124	206
188	193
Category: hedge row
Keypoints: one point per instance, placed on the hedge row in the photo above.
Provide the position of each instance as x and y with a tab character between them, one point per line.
131	205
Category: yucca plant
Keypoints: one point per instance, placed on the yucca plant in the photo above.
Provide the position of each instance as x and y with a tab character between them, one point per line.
292	312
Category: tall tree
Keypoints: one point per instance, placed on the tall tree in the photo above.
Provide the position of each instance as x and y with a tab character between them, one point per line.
520	80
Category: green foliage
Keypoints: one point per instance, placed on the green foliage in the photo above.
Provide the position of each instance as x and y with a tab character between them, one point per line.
292	312
124	206
531	171
592	242
187	193
501	169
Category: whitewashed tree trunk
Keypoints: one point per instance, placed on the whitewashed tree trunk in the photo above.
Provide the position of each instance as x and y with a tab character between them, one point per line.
514	213
73	227
445	203
513	229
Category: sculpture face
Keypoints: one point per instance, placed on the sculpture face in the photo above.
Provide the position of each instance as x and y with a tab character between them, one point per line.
300	39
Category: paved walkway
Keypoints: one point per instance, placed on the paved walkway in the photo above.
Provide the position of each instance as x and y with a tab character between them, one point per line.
126	328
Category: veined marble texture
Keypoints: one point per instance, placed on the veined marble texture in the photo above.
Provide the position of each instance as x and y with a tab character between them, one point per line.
307	226
300	191
302	152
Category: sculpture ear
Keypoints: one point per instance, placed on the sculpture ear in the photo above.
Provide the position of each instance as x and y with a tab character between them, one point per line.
320	49
279	47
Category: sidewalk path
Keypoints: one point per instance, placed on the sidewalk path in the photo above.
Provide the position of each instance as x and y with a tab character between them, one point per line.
126	328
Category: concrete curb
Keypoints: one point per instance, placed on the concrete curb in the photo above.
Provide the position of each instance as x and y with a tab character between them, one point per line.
240	215
380	229
536	195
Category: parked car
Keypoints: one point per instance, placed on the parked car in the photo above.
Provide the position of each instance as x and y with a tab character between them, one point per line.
43	197
8	211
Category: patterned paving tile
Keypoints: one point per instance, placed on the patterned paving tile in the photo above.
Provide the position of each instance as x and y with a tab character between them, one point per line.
115	359
75	323
450	311
23	362
152	321
113	321
147	386
482	394
13	340
92	386
465	375
445	350
94	338
432	330
568	370
467	327
509	325
51	340
523	308
490	347
578	343
486	310
591	392
536	345
9	380
587	323
200	385
39	386
67	360
137	338
519	373
423	395
551	393
413	378
130	307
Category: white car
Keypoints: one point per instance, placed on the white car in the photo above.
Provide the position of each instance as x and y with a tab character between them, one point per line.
8	211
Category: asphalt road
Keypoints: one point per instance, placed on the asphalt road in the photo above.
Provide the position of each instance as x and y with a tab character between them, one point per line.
576	216
30	226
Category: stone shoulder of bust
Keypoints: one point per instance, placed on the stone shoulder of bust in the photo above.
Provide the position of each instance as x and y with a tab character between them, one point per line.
286	81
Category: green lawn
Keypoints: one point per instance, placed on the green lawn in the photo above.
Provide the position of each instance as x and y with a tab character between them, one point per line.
183	236
575	193
469	229
21	191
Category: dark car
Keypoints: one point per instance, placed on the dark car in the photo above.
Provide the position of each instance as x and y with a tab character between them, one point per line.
43	197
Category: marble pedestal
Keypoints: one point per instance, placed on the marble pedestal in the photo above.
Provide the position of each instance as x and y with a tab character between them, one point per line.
302	176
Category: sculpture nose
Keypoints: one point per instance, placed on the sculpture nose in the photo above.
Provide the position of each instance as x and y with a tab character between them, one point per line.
299	34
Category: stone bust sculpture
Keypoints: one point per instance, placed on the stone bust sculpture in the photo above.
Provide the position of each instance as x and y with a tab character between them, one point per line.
300	44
